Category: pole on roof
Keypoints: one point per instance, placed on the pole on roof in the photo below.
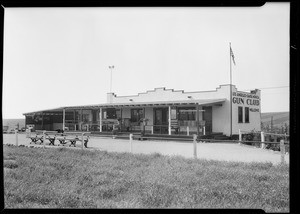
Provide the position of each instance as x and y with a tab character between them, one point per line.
111	68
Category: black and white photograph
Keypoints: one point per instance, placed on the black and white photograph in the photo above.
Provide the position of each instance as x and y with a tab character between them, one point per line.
147	107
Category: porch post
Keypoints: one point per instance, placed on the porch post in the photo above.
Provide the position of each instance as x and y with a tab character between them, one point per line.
74	121
81	119
64	119
100	119
121	122
42	120
144	116
169	120
197	115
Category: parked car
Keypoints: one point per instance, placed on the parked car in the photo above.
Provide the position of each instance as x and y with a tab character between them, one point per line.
11	131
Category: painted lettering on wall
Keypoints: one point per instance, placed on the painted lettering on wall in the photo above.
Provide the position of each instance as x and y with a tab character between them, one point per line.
239	94
254	109
242	98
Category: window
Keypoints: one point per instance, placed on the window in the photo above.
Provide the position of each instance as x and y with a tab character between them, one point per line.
246	114
187	114
85	118
240	112
136	115
111	113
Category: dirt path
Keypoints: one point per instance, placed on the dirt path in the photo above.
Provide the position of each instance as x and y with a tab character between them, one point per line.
213	151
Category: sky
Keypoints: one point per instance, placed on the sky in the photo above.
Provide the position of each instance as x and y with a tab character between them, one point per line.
55	57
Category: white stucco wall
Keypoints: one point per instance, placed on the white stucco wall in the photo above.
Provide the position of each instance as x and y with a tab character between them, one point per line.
254	116
220	114
162	94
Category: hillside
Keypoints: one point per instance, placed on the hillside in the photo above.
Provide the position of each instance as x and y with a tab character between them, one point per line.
12	123
279	118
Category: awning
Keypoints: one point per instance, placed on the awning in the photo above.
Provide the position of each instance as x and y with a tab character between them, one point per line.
202	102
154	103
48	111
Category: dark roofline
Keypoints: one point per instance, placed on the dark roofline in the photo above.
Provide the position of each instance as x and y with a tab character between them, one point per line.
134	104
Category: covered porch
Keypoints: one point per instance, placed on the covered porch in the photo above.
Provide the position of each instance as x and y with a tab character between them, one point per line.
166	118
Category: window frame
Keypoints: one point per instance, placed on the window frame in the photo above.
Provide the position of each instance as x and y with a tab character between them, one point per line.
186	116
240	114
247	115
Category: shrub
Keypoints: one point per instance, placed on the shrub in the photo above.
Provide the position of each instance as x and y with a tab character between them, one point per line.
11	164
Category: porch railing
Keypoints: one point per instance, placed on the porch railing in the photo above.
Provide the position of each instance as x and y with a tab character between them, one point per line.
149	129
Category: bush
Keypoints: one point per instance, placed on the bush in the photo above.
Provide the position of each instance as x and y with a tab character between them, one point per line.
252	136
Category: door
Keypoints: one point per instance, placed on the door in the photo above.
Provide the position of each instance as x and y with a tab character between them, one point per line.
160	121
207	117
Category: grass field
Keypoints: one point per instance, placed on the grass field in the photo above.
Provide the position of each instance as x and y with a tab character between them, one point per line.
74	178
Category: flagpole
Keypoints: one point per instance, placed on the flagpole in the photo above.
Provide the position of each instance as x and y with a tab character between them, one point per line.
230	90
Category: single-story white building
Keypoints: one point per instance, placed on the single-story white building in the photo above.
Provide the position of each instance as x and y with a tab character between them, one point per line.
164	111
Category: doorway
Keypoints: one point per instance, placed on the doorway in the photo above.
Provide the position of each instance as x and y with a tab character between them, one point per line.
160	121
207	117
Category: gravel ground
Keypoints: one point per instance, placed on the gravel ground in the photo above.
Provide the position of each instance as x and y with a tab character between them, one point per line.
212	151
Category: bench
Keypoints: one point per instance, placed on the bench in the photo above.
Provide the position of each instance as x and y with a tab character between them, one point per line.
175	126
72	139
36	138
137	136
51	138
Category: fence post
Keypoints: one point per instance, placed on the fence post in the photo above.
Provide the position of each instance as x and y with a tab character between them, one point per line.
44	139
82	141
275	138
16	134
130	141
28	133
240	136
152	129
262	136
282	150
187	131
195	145
203	130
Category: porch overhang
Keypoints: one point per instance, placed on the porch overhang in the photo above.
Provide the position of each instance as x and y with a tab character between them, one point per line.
56	111
202	102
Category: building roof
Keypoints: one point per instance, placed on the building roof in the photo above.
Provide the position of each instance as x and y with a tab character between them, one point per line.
138	104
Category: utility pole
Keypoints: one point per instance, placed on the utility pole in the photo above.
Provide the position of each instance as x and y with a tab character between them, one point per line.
272	124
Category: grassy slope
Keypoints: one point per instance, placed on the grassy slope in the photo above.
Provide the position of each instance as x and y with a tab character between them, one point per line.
13	122
279	118
61	178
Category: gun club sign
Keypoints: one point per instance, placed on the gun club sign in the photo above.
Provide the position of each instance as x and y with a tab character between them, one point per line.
246	99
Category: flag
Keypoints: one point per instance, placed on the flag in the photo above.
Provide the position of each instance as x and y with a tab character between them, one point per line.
232	55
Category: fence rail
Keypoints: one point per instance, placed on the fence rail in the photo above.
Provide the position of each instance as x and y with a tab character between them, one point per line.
195	140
